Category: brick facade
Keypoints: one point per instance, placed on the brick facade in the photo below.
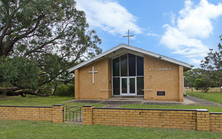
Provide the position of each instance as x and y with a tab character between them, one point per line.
102	87
199	119
170	81
35	113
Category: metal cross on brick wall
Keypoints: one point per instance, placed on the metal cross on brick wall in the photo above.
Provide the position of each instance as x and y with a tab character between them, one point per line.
128	36
93	74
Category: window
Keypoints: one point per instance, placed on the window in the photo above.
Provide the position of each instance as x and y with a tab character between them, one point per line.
116	66
123	63
140	85
128	68
132	65
116	86
139	66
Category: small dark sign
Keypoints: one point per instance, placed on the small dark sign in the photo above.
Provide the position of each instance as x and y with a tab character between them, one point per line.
160	93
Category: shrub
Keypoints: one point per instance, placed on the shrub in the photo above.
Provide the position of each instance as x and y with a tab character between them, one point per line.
65	90
203	83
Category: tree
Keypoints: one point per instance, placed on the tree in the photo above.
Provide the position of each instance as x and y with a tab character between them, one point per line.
203	83
191	76
39	41
213	63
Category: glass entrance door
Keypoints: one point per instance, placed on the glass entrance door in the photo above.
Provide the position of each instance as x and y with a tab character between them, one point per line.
128	86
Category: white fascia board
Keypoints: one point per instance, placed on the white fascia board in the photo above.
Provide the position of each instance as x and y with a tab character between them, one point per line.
133	49
158	56
95	58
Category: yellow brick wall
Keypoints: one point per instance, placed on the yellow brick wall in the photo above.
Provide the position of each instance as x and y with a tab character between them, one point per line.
145	118
215	122
31	113
101	89
58	113
178	119
202	120
87	115
199	119
162	80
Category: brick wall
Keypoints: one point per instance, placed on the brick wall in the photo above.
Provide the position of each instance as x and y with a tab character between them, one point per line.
199	119
215	121
35	113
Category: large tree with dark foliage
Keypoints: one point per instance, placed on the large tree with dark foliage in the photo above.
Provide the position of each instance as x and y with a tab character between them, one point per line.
213	63
39	41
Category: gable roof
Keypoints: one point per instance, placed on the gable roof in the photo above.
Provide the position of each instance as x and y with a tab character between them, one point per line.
135	49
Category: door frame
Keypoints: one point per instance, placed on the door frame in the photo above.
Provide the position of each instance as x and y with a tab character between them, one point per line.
128	86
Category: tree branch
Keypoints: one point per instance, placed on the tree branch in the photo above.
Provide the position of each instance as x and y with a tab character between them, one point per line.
12	42
42	46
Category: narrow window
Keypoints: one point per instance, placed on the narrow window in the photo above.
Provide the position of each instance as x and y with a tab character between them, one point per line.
139	66
123	60
116	86
140	86
132	65
116	66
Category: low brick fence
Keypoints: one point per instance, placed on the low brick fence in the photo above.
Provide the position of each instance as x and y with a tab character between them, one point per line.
36	113
199	119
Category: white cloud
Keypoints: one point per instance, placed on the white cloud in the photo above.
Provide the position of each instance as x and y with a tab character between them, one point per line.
196	21
193	24
171	17
152	34
195	61
109	16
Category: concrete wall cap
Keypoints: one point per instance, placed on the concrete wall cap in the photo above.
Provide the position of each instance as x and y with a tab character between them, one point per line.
215	112
204	110
58	105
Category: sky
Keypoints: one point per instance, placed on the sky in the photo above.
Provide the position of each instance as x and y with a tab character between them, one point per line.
181	29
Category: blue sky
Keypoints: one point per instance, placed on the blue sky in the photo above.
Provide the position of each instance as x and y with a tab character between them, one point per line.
181	29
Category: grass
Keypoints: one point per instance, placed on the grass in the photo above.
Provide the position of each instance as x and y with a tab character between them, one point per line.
146	106
38	129
49	101
214	97
40	101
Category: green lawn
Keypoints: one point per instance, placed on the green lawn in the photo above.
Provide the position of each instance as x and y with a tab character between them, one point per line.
43	130
146	106
40	101
214	97
49	101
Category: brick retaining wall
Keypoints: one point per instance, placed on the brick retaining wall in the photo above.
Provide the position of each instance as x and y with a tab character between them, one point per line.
36	113
199	119
216	122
